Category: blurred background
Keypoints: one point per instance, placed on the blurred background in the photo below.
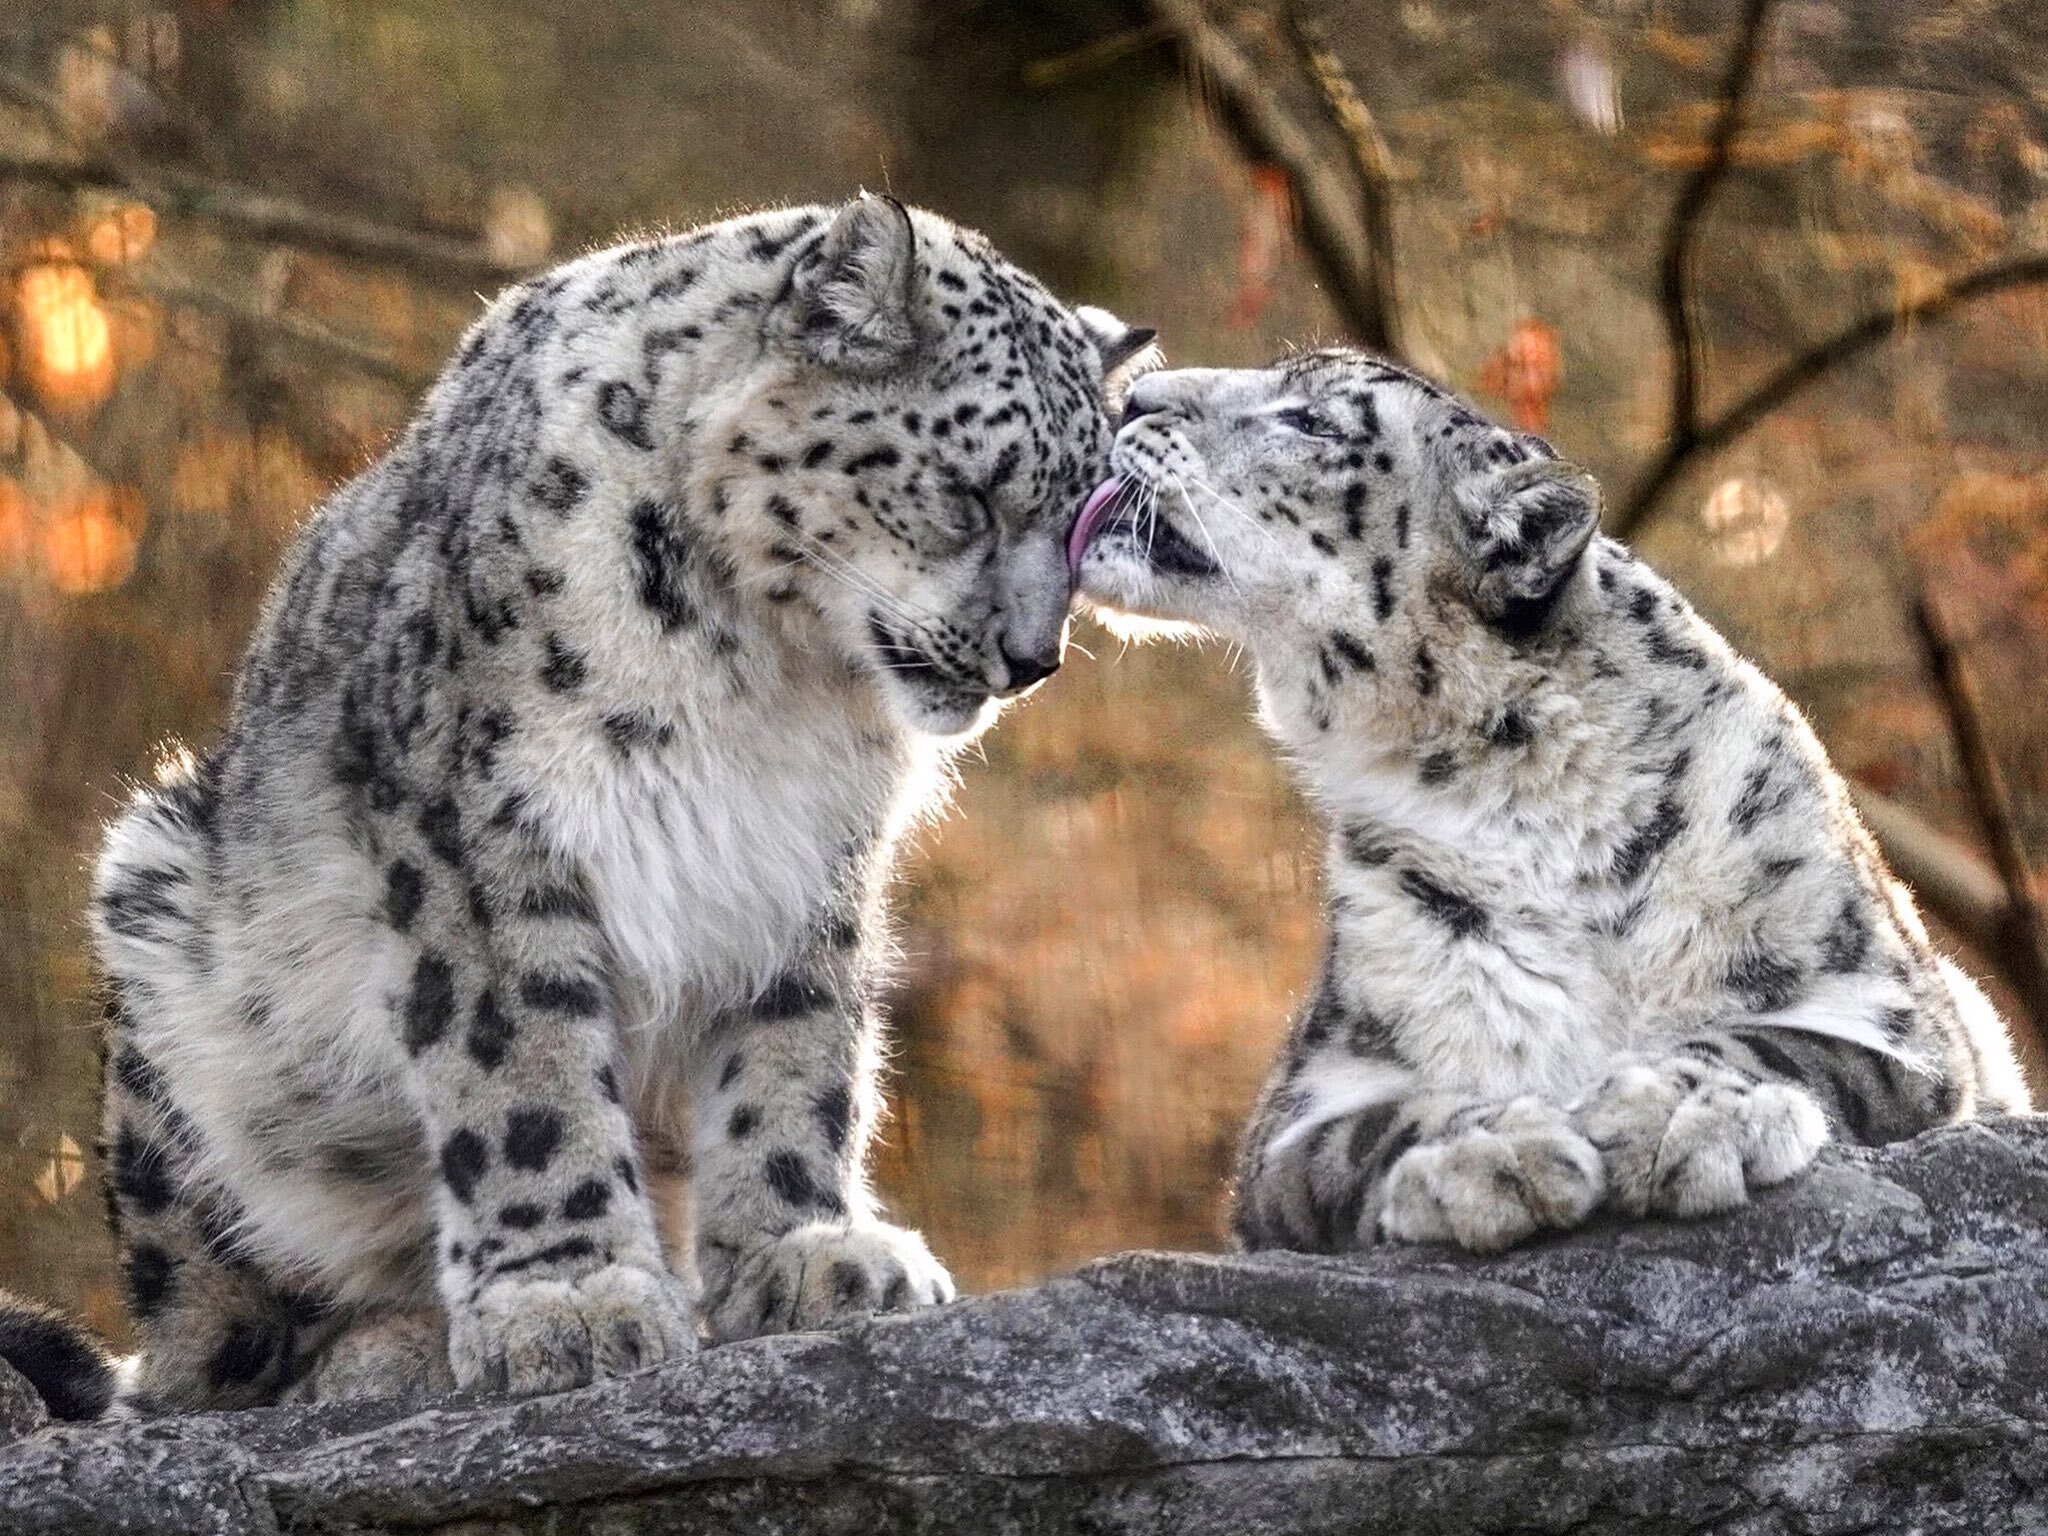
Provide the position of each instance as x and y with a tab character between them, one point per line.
238	236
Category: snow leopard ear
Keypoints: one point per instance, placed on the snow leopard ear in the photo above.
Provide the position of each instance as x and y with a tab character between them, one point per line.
855	305
1126	352
1526	528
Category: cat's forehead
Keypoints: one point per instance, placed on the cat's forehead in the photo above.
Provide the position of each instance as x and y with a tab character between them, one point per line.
1341	373
1468	439
997	312
1020	355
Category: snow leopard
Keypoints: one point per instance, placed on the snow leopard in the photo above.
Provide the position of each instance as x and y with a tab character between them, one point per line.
496	1002
1604	931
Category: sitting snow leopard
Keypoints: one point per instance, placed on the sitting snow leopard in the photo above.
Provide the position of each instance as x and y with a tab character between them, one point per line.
1603	927
511	960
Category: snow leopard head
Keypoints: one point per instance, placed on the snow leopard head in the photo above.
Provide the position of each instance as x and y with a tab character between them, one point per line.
1332	512
910	457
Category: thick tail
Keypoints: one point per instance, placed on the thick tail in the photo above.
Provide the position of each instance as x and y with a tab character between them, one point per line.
149	904
69	1368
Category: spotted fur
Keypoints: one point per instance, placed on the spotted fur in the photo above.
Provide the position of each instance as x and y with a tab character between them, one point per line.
1603	926
511	961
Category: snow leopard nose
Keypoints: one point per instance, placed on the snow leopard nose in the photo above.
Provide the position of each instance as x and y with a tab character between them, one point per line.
1181	390
1025	671
1133	409
1143	401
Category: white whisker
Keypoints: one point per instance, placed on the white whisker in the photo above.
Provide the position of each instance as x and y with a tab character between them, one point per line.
1226	502
1207	537
856	580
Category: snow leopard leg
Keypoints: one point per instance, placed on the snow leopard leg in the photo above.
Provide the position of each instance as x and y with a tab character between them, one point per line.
788	1236
215	1330
549	1264
1309	1191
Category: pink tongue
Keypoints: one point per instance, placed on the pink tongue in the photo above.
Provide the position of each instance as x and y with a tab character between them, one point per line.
1094	513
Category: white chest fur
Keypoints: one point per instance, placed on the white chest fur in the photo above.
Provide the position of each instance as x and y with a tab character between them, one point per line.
710	856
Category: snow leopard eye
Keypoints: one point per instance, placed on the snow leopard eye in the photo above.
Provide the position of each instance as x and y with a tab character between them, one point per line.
1309	422
963	516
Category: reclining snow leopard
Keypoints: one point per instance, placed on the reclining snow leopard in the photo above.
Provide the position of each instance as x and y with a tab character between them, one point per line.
512	958
1602	925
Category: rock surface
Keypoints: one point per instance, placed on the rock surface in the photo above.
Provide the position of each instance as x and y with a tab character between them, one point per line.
1866	1350
21	1410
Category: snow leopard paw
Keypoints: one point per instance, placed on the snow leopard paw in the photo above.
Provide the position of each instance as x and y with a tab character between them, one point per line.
401	1354
825	1273
1685	1137
1490	1182
529	1336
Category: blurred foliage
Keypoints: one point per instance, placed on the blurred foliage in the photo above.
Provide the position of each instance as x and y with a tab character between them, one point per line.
1103	943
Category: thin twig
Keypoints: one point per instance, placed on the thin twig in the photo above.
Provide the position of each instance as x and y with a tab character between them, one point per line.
1680	236
1371	165
1792	377
246	211
1059	68
1267	132
2023	954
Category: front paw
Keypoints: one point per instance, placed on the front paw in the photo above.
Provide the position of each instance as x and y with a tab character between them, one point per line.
1489	1185
825	1273
1683	1137
397	1354
528	1336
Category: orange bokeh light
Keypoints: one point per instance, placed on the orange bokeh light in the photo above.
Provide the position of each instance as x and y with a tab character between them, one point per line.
90	546
66	342
122	236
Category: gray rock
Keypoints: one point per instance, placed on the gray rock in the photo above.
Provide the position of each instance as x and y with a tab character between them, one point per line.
21	1406
1866	1350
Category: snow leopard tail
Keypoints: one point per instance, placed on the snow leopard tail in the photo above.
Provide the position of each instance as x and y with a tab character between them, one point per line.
69	1368
145	925
148	910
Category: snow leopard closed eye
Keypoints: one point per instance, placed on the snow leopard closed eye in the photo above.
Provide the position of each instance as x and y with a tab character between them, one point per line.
1603	928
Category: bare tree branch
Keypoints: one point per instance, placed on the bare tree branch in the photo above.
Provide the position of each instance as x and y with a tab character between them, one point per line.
245	211
1057	69
2023	954
293	330
258	215
1681	448
1333	231
1681	235
1371	166
1686	435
